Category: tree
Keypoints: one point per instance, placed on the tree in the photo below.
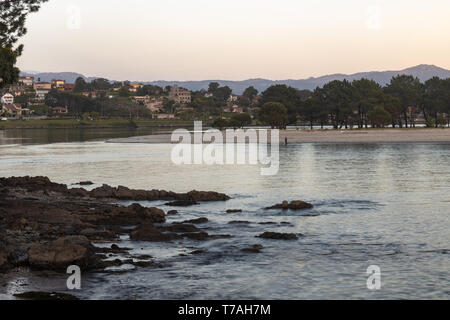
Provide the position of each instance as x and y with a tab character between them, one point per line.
287	96
337	98
250	93
434	100
124	92
408	90
241	120
213	86
81	85
274	114
366	95
13	15
8	72
220	123
379	117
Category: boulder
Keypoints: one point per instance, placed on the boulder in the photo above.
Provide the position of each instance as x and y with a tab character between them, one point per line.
148	232
180	228
104	191
294	205
207	196
172	212
278	236
78	192
61	253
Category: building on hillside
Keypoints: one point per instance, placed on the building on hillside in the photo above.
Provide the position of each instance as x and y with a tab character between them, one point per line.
90	94
180	95
42	86
11	110
27	81
163	116
17	90
155	105
234	109
135	86
60	110
58	84
7	99
41	94
233	98
141	99
69	86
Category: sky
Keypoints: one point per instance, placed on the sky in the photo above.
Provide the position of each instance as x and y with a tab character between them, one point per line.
145	40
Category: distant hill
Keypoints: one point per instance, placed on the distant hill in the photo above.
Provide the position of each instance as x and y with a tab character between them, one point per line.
423	72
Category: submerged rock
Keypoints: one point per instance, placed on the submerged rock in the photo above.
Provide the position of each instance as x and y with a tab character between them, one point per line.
195	221
278	236
294	205
182	203
45	296
234	211
253	249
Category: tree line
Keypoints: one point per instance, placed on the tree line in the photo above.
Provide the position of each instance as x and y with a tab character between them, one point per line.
361	103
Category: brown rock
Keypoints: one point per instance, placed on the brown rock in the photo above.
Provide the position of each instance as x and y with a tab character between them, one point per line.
149	233
294	205
59	254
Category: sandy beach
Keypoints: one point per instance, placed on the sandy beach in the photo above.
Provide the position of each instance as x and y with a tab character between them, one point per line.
332	136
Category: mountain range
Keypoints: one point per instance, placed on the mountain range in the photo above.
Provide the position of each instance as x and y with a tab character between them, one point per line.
423	72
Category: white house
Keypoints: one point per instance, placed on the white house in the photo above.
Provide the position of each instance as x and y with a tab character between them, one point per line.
41	94
8	99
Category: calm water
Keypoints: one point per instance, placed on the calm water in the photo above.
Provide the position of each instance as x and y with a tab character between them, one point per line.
375	204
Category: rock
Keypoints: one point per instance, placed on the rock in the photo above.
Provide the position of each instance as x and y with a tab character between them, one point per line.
196	221
154	215
45	296
86	183
294	205
278	236
115	247
63	252
197	236
78	192
253	249
207	196
3	260
104	191
234	211
197	252
97	234
182	203
172	212
239	222
150	233
180	228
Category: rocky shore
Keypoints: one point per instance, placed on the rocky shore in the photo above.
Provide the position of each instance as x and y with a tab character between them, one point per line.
49	226
45	225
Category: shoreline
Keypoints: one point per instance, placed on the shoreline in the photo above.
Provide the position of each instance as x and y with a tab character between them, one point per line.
409	135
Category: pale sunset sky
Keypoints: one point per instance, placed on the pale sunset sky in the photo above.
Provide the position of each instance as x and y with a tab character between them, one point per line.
235	39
